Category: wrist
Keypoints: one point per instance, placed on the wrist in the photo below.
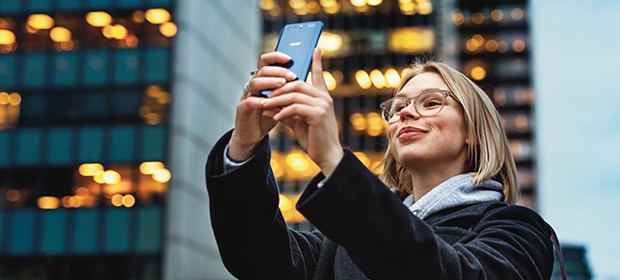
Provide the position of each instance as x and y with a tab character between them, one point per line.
328	166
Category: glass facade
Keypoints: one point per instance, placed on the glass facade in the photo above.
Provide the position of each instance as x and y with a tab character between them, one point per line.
84	113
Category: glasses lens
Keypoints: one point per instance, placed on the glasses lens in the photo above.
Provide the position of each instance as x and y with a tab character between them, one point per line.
393	107
430	103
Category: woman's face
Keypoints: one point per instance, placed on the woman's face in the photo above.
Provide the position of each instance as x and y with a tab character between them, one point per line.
426	141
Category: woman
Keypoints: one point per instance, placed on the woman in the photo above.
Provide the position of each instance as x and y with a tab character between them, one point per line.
447	153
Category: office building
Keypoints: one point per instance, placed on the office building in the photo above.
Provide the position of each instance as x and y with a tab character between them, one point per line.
108	109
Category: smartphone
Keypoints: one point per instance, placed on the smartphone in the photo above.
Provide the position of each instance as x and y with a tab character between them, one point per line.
298	41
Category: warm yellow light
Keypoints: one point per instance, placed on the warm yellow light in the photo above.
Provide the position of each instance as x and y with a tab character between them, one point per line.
374	2
377	79
518	45
328	3
477	18
107	31
98	19
332	9
392	77
117	200
68	201
111	177
138	16
285	203
90	169
330	42
478	73
118	32
477	40
491	45
297	161
15	99
150	167
157	16
162	175
128	200
497	15
516	14
411	40
48	202
98	178
405	71
329	80
358	3
297	4
457	17
363	79
407	8
4	98
13	195
470	46
277	169
40	21
267	4
376	124
358	121
168	29
60	34
314	7
521	123
363	158
425	8
6	37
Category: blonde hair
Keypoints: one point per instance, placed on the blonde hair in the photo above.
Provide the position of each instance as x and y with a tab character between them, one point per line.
488	156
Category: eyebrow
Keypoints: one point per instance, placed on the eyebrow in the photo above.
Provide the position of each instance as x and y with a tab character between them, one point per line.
401	94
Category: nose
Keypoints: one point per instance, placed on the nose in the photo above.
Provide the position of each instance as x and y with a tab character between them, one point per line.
409	112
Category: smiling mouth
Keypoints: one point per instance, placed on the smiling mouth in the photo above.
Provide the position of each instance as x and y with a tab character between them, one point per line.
406	132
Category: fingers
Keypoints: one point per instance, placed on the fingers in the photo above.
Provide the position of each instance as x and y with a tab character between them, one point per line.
272	58
317	70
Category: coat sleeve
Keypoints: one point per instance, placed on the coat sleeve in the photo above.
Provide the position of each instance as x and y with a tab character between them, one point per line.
252	236
386	241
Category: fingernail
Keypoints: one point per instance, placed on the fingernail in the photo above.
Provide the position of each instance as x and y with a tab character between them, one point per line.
286	55
280	81
291	76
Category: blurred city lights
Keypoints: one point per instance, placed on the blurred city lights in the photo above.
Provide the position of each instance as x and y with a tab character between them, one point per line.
111	177
329	80
377	79
6	37
40	21
48	202
98	19
363	80
157	16
90	169
162	175
478	73
168	29
60	34
392	77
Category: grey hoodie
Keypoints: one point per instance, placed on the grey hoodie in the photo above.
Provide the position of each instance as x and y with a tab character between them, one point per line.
456	191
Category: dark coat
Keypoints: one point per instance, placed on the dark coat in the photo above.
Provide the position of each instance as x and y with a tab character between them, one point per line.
365	232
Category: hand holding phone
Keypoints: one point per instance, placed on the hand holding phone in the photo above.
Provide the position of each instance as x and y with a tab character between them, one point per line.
298	41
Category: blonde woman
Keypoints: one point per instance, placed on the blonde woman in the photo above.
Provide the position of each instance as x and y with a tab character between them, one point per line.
442	211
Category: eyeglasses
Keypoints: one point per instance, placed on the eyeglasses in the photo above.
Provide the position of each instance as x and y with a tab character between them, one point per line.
428	103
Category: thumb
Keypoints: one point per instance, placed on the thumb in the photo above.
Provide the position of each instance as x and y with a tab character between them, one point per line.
317	70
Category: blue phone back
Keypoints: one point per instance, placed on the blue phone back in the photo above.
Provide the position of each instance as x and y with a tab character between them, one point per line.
298	40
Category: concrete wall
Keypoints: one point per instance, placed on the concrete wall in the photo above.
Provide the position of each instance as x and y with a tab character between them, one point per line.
216	46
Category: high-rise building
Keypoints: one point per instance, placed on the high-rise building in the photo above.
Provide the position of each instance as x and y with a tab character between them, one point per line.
108	109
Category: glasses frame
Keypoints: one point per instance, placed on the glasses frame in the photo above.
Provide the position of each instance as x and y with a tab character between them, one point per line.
408	101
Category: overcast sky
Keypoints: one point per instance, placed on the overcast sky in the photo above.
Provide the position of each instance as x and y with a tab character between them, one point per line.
576	67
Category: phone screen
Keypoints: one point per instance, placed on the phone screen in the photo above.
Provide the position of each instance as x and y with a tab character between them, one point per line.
298	40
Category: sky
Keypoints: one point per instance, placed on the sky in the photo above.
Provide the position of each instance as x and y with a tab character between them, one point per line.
576	61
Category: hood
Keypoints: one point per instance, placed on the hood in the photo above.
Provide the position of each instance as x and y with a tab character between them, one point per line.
456	191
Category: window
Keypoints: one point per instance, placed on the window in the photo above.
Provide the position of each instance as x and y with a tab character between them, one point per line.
22	230
117	224
54	225
91	144
85	230
34	70
65	71
157	65
126	66
7	71
28	146
122	144
95	67
59	146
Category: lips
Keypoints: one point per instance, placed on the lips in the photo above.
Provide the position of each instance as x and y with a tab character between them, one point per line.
410	131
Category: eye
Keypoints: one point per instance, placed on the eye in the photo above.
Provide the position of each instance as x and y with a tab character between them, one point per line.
398	105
